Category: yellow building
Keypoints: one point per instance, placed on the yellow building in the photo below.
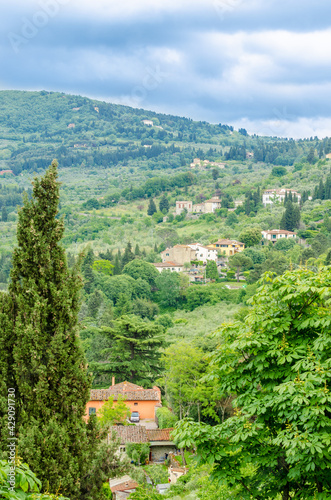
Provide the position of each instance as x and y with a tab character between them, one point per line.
228	247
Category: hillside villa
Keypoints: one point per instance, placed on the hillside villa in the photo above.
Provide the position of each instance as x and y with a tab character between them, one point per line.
181	254
183	205
168	266
228	247
277	234
202	164
145	401
205	207
271	196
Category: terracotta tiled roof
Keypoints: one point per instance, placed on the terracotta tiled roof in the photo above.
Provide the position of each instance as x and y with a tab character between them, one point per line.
167	264
131	392
159	434
229	242
131	485
129	433
278	231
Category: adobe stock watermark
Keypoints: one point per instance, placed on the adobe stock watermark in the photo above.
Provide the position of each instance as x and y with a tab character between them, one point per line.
279	125
153	77
30	27
11	439
223	7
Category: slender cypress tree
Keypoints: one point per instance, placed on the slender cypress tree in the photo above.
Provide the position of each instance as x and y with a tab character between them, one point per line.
151	207
44	361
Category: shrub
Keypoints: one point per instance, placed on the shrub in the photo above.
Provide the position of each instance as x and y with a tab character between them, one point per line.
165	418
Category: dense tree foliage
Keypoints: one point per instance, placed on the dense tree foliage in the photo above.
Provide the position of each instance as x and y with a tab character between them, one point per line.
277	363
133	354
41	357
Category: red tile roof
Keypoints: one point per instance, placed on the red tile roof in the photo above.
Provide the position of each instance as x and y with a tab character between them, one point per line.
127	485
159	434
129	433
167	264
131	392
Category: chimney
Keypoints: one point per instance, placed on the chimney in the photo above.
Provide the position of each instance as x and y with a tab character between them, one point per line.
113	381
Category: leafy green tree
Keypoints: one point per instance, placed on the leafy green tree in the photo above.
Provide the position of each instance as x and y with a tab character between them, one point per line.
250	236
138	452
320	244
215	173
145	308
123	305
26	486
211	270
278	171
141	269
240	262
135	350
165	418
164	204
145	492
151	207
284	244
103	266
277	363
257	256
307	253
114	286
231	219
49	370
183	368
168	288
113	413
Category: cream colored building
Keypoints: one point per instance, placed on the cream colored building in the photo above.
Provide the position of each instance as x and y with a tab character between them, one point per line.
183	205
204	253
213	204
168	266
179	254
277	234
208	206
271	196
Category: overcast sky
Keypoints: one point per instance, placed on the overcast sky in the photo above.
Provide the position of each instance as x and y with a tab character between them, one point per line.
261	64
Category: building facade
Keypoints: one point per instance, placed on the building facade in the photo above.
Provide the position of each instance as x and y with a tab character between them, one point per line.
145	401
277	234
271	196
228	247
184	205
168	266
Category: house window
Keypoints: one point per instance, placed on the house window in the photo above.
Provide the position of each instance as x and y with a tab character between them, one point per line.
91	411
274	236
135	404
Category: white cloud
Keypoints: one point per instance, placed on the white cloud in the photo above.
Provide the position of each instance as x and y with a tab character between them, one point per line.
300	128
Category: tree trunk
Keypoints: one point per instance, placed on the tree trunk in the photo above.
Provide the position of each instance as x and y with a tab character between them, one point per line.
238	271
183	457
199	417
286	492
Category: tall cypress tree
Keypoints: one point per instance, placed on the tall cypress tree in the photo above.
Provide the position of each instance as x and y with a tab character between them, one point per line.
49	369
151	207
